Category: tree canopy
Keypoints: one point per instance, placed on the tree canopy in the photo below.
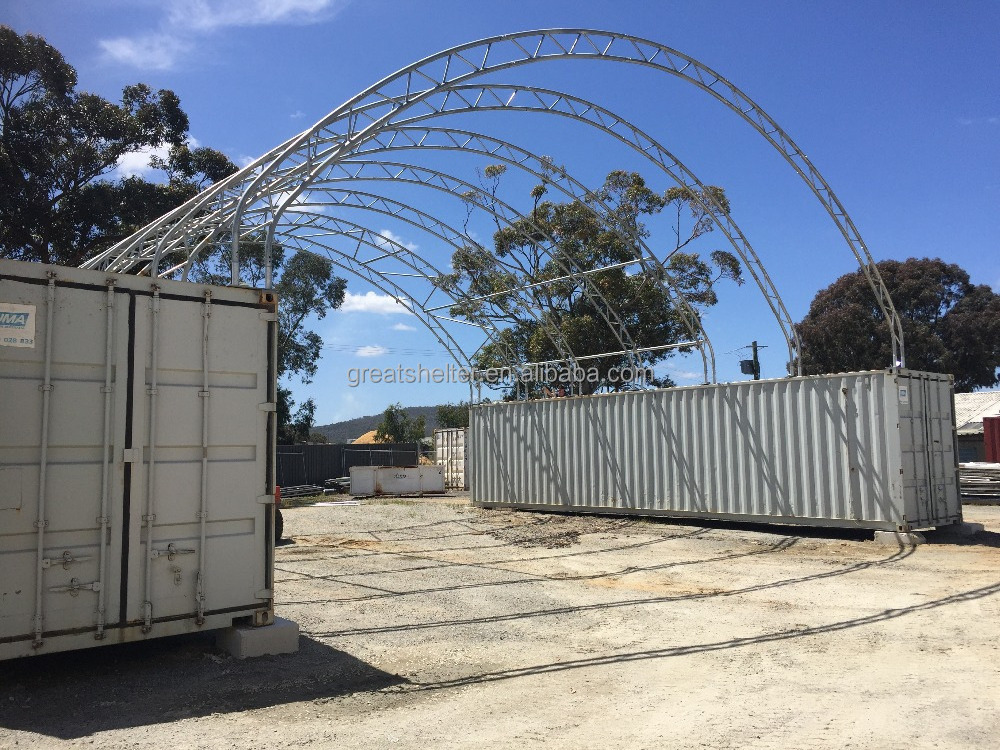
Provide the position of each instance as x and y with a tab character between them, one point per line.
950	325
397	426
453	415
59	148
533	254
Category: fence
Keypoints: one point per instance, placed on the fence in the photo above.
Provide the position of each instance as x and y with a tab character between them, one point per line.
314	464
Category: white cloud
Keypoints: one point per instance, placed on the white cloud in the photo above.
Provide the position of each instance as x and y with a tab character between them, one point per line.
684	375
136	163
182	19
393	237
289	206
372	302
403	327
208	15
297	114
992	120
371	351
156	51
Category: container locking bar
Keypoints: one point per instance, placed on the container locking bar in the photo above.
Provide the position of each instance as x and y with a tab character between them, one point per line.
150	514
171	551
104	518
75	587
66	560
43	464
202	514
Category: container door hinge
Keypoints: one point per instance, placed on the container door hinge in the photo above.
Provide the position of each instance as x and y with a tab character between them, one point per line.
268	406
270	317
130	456
264	594
265	499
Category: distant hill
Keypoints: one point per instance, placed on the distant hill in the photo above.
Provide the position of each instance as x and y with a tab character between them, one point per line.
344	432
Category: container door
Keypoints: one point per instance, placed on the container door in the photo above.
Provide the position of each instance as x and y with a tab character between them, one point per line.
62	401
199	499
928	448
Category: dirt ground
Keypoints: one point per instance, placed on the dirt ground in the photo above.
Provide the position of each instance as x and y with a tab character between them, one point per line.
432	624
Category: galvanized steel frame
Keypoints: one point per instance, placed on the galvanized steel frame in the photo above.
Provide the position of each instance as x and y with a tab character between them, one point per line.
255	189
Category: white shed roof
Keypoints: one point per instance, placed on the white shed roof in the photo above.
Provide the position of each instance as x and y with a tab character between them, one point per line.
970	408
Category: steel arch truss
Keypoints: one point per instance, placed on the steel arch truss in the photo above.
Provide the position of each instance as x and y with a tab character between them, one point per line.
323	165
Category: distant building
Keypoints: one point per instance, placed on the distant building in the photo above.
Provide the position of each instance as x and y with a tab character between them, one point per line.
970	408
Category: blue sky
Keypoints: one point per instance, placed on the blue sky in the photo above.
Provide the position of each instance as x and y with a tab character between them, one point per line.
896	103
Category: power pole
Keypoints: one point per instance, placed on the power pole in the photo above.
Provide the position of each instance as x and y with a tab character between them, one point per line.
752	366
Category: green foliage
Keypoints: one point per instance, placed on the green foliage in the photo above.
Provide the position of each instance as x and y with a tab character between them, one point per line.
949	324
57	145
579	239
453	415
397	427
297	427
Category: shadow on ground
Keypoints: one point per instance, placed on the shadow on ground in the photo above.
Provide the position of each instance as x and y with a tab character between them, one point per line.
75	694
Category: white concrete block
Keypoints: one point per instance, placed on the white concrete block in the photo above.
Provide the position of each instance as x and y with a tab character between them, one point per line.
246	641
899	538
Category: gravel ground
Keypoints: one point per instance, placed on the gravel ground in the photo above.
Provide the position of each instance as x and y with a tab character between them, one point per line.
429	623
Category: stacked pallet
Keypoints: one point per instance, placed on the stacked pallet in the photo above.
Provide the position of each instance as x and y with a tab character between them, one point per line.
979	481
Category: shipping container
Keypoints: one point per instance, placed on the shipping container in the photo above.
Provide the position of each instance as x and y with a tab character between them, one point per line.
450	454
136	457
991	438
396	480
860	450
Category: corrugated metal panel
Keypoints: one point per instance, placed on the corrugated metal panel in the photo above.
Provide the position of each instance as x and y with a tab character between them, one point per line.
869	449
142	459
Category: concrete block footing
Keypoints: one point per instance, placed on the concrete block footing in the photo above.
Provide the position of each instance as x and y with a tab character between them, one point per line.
899	538
246	641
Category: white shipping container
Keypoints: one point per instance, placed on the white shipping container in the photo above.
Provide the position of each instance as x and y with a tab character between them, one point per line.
136	458
872	450
396	480
450	454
